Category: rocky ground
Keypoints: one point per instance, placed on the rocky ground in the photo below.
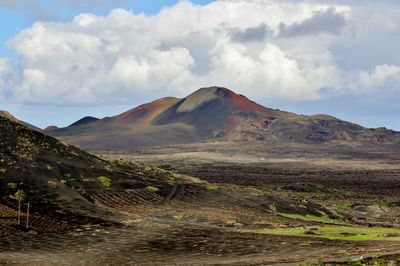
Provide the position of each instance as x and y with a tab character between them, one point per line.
214	204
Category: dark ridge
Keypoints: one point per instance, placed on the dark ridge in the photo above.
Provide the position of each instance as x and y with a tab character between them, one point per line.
84	121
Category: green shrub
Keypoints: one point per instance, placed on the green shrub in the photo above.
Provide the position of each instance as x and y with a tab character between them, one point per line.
104	180
152	189
320	262
3	170
360	262
52	184
212	187
12	185
383	262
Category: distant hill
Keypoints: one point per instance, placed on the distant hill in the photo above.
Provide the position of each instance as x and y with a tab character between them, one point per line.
214	114
84	121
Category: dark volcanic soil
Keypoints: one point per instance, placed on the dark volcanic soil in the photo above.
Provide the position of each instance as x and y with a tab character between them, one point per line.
88	210
174	243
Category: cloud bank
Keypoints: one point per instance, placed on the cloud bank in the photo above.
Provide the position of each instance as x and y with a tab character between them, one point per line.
282	50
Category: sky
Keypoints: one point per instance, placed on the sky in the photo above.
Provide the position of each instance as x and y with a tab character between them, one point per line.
62	60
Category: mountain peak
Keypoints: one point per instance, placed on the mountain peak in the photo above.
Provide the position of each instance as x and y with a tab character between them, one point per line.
84	121
202	96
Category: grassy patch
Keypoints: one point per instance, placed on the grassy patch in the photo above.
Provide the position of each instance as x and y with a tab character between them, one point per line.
104	180
312	218
152	189
334	232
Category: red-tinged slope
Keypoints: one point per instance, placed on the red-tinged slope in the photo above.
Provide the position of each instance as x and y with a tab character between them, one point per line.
145	113
128	129
218	112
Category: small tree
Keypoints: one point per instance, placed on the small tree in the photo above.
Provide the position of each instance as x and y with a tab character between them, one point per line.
20	196
27	214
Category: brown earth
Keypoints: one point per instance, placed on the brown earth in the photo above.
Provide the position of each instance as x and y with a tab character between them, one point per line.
194	229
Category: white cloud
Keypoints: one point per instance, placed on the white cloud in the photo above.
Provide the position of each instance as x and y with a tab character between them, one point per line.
158	69
383	76
96	59
272	73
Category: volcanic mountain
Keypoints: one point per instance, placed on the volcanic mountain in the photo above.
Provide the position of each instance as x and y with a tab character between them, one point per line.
213	114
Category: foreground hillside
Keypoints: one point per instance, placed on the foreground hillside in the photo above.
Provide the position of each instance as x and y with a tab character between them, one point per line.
214	114
60	180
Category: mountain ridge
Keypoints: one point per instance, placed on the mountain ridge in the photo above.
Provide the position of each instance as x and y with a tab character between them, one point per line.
215	114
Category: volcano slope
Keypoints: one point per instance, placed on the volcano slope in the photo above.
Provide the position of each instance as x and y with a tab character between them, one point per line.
13	118
90	211
215	114
58	179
